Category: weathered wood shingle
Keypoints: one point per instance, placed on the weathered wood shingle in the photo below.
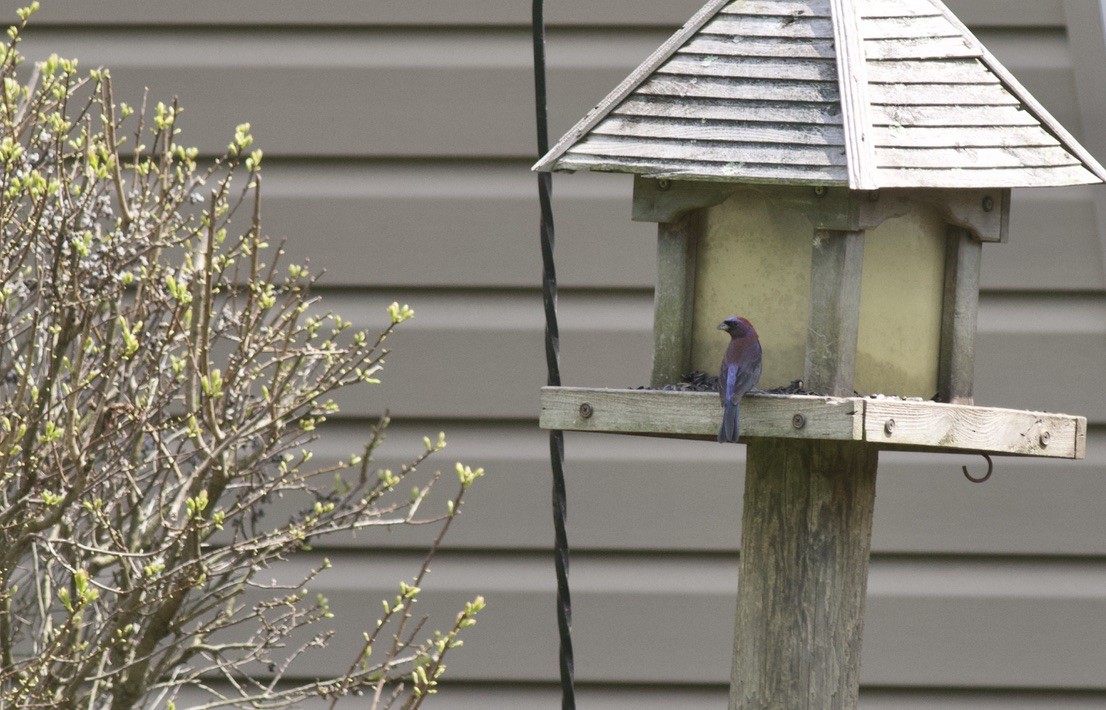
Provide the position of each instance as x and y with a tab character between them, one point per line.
750	94
864	93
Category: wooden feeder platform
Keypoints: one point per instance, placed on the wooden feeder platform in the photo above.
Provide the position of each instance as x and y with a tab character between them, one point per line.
889	423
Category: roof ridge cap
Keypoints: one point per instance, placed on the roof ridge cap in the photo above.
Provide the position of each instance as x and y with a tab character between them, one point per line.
852	78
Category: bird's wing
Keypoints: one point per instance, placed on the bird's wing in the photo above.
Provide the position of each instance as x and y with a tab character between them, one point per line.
746	372
745	379
733	376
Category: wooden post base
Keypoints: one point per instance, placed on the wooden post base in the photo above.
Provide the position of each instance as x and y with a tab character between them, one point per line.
806	536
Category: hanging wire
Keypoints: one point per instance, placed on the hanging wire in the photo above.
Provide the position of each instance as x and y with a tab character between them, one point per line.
552	362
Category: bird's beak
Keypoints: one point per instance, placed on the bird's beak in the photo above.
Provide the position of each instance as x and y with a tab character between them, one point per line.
722	326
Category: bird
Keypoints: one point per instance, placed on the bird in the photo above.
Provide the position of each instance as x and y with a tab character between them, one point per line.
740	372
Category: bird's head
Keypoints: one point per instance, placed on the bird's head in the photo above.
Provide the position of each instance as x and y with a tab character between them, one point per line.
737	327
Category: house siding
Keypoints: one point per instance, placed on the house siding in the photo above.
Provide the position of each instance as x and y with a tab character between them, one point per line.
398	138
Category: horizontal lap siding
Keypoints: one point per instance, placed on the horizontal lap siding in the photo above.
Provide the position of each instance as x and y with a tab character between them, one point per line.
486	209
398	136
988	624
1031	353
925	505
576	13
481	696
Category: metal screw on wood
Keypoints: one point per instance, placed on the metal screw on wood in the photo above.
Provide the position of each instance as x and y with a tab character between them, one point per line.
820	191
798	421
1045	438
988	203
889	427
663	185
586	410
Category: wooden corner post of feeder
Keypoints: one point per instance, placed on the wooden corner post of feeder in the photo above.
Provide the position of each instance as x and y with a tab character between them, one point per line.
829	169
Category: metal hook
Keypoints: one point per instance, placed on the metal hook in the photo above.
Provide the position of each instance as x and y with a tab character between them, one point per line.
990	470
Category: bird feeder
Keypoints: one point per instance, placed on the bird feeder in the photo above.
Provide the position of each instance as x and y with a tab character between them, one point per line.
829	169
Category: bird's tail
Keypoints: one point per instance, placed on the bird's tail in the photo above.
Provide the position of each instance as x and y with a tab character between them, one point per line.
728	430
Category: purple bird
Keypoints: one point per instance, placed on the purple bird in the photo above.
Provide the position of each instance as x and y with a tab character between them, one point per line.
740	372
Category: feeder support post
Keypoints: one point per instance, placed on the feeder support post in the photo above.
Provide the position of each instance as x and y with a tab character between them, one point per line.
806	528
805	542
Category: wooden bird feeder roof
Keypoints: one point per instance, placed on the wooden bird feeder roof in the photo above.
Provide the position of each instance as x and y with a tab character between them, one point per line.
867	94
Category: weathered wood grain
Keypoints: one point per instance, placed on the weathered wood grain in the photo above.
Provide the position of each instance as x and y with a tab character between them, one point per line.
760	47
728	131
719	88
914	27
990	94
835	277
975	157
782	8
750	67
664	202
674	297
987	177
960	136
821	114
935	48
951	115
791	27
926	71
898	67
703	170
669	149
956	362
1031	103
1080	438
852	74
985	214
918	425
698	414
952	427
805	538
897	8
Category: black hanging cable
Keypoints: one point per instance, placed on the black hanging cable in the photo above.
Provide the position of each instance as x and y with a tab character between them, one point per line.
552	362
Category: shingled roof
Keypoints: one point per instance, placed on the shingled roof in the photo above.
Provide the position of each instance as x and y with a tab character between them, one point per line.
864	93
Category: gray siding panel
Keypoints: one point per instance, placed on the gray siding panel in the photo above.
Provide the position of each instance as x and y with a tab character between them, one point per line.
633	493
988	624
472	224
458	225
471	12
539	696
1032	352
385	93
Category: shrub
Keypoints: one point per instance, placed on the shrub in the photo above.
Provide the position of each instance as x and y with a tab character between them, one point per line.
159	384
